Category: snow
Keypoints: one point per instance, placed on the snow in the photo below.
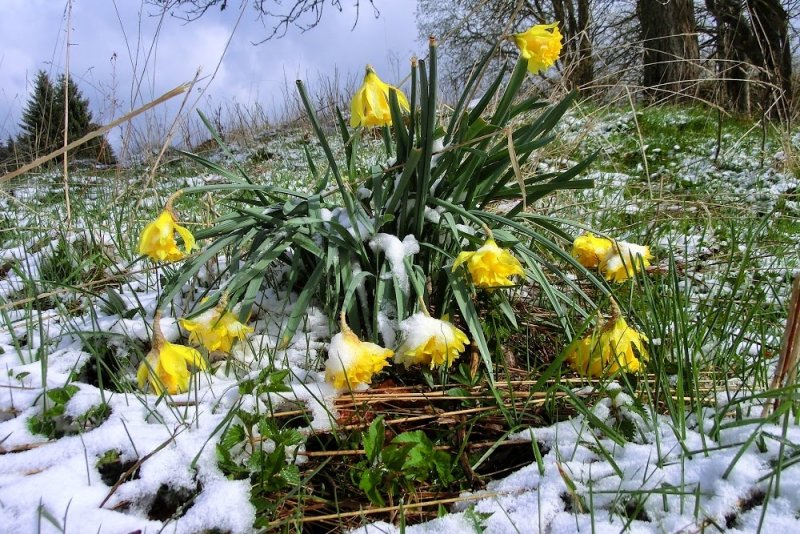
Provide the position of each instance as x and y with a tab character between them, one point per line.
396	252
666	472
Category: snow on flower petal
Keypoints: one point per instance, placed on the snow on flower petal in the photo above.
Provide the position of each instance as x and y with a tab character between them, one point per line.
490	266
352	362
540	45
591	251
166	368
158	239
625	261
429	341
370	104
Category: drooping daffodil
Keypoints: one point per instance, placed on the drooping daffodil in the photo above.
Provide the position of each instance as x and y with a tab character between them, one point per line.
617	260
590	250
370	104
352	362
158	238
429	341
166	366
612	347
490	266
540	45
216	329
626	261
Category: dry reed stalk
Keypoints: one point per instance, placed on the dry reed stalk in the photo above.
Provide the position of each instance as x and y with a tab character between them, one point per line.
786	370
97	133
384	509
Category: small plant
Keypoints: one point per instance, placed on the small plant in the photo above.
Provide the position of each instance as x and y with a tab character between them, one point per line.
409	459
256	448
52	421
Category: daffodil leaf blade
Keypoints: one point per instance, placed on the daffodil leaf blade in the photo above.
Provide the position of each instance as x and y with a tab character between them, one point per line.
472	319
301	304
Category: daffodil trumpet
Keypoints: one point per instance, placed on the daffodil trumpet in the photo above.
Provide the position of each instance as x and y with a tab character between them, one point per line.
429	341
166	366
540	45
612	347
352	363
157	240
370	104
490	266
216	329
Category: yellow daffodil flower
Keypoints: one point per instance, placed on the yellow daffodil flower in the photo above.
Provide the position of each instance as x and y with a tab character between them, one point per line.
490	266
540	45
370	104
158	239
591	251
429	341
352	362
625	261
166	366
215	329
613	347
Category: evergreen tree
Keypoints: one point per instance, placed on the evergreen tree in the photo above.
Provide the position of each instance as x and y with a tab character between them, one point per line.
43	121
39	124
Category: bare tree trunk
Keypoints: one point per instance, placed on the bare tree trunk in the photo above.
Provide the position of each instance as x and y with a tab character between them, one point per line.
758	32
577	55
771	27
671	50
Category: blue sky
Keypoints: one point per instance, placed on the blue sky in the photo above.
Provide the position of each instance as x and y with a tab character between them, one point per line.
114	42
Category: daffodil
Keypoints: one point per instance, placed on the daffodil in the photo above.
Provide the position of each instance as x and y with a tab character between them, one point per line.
158	237
215	329
612	347
429	341
166	367
625	261
490	266
370	104
590	250
352	362
540	45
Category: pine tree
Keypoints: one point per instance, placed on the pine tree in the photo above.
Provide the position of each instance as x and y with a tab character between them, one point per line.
43	121
39	124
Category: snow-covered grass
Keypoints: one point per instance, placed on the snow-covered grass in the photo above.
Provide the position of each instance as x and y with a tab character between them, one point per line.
261	441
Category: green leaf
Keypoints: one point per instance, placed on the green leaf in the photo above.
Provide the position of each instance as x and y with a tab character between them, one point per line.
373	439
370	481
300	305
232	437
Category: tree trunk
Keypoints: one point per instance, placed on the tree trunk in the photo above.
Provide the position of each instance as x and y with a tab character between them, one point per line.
758	32
577	55
770	23
671	50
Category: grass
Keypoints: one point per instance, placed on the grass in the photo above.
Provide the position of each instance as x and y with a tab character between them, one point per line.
700	188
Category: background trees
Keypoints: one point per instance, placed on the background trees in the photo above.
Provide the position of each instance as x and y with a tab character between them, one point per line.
42	124
735	52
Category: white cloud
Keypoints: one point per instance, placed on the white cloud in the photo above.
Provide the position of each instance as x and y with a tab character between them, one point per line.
113	47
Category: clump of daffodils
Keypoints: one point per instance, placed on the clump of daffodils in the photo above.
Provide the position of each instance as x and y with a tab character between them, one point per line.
216	329
612	347
370	104
158	237
490	266
429	341
617	260
352	362
166	366
540	45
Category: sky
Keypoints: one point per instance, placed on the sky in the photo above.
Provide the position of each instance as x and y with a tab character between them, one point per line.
119	46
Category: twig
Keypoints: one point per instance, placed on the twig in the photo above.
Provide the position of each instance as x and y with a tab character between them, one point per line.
124	476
